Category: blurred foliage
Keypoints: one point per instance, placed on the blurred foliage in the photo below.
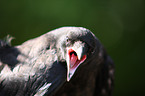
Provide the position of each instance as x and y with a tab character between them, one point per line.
119	24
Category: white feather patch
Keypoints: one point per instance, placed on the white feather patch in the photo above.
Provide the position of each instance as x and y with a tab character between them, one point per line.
43	89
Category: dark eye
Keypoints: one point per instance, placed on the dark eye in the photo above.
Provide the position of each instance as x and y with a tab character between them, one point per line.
67	39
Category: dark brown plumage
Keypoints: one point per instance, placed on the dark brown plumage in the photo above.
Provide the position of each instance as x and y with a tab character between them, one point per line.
68	61
94	77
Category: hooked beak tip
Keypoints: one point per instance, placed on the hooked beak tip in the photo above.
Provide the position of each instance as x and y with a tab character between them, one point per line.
68	79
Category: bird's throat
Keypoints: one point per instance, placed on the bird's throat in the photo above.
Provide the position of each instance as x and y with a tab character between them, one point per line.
74	62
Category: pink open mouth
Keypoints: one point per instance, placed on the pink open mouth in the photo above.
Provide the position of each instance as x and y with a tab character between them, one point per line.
74	61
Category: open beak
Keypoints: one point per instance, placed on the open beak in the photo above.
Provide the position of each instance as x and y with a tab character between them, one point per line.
74	58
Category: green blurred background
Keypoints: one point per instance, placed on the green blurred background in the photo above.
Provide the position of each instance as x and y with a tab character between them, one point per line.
119	24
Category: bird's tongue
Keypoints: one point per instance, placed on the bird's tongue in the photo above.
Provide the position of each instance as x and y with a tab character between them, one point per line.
73	61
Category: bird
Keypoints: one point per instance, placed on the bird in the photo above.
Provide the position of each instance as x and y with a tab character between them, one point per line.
67	61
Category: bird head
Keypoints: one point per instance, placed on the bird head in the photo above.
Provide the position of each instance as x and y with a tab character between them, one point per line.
75	44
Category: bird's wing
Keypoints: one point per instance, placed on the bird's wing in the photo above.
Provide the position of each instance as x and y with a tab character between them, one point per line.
105	78
30	69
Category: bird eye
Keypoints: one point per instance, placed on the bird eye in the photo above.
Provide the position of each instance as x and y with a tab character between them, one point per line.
67	39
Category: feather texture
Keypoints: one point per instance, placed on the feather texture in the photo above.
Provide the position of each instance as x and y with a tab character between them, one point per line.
41	66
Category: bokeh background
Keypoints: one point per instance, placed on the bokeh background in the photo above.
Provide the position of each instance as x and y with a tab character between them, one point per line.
119	25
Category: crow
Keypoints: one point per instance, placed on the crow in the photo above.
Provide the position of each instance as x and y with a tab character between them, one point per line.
68	61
